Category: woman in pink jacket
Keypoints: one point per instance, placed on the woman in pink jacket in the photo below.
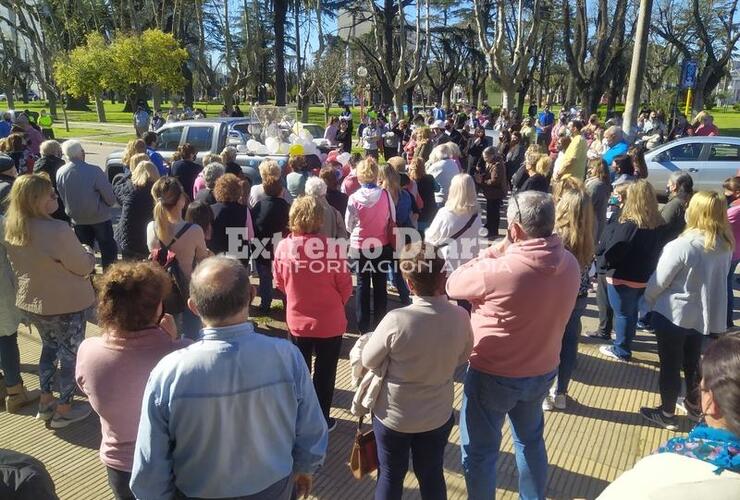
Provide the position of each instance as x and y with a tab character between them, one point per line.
315	278
732	194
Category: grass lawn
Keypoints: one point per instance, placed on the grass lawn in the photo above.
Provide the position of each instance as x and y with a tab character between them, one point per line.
728	121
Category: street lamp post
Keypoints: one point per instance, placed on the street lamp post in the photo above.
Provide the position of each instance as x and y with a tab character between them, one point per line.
361	74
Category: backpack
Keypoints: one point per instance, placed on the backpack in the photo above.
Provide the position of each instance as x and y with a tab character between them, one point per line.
176	300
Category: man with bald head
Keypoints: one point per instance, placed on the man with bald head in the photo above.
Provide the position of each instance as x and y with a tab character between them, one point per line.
234	415
615	144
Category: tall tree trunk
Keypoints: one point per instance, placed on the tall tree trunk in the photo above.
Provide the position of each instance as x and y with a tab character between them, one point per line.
570	92
100	109
507	98
409	102
157	97
280	12
398	97
188	90
388	39
51	98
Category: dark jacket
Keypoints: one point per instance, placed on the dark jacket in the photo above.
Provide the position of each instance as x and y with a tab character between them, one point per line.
6	184
338	200
536	182
270	216
474	150
345	140
137	206
493	183
514	160
186	172
50	165
427	186
629	253
519	178
22	477
226	215
233	168
674	214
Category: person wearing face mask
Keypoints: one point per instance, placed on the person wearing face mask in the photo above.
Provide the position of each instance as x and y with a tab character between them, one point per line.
732	195
679	190
706	463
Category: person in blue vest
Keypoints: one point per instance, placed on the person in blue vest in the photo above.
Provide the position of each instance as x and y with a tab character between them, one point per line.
616	145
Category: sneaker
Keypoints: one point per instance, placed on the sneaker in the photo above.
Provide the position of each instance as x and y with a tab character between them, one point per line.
693	412
657	416
548	404
559	401
77	413
644	327
599	335
608	351
331	424
46	411
18	397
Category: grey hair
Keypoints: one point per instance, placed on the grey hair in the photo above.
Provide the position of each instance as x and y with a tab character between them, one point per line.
534	211
73	150
616	132
220	287
229	152
315	187
51	148
446	151
211	174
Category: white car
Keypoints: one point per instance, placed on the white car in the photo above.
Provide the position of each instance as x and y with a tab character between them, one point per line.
709	160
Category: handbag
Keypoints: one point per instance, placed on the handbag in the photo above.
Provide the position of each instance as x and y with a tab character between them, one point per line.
364	457
390	226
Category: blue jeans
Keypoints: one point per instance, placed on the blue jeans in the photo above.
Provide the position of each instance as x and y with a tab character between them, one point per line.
731	294
569	348
395	277
101	232
10	359
487	400
188	324
427	452
264	289
624	300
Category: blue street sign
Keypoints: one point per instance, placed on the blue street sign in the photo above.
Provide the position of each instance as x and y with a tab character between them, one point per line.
688	74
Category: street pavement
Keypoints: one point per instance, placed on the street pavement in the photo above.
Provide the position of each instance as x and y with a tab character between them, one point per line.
96	151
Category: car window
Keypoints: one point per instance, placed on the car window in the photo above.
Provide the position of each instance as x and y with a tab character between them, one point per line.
169	139
243	128
201	138
724	152
684	152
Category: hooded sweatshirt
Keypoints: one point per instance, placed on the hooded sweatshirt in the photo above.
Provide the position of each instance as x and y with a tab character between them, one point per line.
368	211
521	302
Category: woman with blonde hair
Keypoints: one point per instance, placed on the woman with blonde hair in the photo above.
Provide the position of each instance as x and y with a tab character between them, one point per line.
317	286
456	227
599	188
538	171
134	196
423	142
574	221
688	295
370	214
631	248
52	270
182	238
134	147
136	159
527	169
267	169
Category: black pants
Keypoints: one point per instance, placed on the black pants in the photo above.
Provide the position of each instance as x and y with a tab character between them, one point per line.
427	452
371	272
101	232
606	313
493	216
677	348
325	369
118	481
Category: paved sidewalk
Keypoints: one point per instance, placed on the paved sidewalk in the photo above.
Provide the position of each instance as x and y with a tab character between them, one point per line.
599	436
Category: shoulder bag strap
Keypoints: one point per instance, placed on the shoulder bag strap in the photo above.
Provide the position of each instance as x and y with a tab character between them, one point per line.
182	231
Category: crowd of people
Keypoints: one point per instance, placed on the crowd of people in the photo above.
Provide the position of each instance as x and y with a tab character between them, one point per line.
183	384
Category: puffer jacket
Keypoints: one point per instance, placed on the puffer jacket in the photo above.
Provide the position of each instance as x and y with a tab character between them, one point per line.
137	206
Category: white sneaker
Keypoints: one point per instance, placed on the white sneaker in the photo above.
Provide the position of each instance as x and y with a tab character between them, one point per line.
559	401
548	404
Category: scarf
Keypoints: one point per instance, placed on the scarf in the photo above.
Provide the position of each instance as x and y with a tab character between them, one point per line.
718	447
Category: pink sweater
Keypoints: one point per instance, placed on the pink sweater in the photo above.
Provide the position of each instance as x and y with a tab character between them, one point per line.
733	214
522	301
112	372
316	281
366	219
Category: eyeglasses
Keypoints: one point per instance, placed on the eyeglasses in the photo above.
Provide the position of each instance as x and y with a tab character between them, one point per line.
518	210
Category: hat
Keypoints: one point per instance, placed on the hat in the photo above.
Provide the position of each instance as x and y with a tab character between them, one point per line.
344	158
332	156
438	124
6	162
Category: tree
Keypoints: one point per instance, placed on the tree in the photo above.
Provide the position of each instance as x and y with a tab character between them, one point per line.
86	71
510	52
138	61
450	50
328	76
401	58
703	30
592	61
